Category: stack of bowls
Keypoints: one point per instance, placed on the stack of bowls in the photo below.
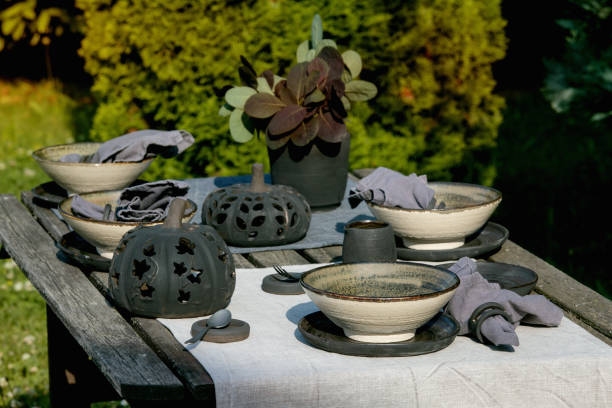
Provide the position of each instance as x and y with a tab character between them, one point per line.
98	183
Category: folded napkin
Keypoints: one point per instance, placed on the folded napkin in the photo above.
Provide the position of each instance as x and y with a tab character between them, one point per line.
147	202
392	189
474	290
136	146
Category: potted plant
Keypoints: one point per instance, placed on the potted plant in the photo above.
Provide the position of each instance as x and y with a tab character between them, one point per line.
302	116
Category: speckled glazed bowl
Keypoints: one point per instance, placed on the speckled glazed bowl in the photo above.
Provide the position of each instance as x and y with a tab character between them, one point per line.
379	302
467	207
87	177
105	235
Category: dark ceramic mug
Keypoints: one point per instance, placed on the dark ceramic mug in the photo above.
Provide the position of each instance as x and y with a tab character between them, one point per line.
368	241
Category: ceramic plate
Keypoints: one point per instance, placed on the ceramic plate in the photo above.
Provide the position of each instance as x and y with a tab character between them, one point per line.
83	253
485	241
437	334
512	277
49	194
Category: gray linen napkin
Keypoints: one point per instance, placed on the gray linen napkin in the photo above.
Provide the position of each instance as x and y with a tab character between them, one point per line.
392	189
147	202
136	146
474	290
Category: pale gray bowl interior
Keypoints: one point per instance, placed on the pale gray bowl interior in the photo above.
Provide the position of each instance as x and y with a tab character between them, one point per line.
461	195
54	153
380	280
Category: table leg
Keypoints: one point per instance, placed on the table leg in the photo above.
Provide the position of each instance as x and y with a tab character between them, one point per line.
74	380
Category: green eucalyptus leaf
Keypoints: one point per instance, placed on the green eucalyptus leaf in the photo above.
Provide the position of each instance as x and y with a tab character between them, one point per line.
263	105
346	103
352	60
263	86
302	51
225	110
346	76
311	54
316	31
358	90
238	95
315	97
326	43
287	119
237	126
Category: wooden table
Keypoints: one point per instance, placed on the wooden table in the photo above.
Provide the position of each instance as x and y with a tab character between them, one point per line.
97	354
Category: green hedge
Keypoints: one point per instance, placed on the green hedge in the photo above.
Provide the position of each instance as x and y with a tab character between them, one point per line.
166	65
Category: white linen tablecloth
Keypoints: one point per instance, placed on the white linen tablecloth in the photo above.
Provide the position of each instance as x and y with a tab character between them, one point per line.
275	367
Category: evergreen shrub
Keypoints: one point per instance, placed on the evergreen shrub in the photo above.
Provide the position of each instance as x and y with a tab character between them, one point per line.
167	65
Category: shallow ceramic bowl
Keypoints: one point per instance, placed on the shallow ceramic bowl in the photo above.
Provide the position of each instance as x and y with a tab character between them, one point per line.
87	177
379	302
105	235
467	208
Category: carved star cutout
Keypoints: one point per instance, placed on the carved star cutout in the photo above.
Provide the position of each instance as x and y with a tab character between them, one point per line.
140	268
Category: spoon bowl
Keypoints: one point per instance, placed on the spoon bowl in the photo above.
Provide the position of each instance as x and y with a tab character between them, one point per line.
219	319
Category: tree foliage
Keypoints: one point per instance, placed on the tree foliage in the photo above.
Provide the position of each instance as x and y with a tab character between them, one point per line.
580	83
167	64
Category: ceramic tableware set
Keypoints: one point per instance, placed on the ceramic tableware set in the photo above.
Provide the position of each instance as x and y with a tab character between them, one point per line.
370	305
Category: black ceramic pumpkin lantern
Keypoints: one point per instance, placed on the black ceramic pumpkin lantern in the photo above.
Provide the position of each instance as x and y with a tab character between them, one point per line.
257	214
172	270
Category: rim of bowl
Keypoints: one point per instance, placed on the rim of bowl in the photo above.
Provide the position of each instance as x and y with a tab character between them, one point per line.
447	210
374	298
117	223
37	156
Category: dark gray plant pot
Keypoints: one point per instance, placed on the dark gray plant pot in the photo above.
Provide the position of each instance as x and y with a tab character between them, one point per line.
318	171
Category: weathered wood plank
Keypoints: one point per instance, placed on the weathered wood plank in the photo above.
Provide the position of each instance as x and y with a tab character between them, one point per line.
270	258
323	255
45	217
73	381
180	361
581	302
241	262
184	365
129	365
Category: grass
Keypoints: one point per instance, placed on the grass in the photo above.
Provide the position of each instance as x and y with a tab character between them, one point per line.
31	116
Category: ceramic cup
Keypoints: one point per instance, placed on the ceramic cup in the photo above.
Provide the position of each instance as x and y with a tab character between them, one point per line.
368	241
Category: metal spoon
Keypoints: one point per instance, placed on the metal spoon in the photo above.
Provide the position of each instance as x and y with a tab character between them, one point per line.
218	320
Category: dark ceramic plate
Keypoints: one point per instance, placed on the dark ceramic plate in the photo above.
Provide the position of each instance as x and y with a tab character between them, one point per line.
275	286
50	194
236	331
82	252
512	277
486	240
437	334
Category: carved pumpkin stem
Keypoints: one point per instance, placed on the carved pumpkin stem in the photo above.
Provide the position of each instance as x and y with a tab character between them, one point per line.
175	213
258	185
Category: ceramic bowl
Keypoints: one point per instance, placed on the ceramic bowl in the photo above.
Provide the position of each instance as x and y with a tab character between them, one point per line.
105	235
467	207
379	302
87	177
